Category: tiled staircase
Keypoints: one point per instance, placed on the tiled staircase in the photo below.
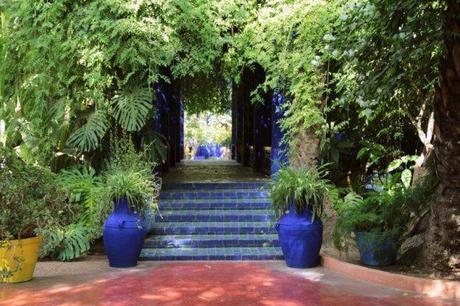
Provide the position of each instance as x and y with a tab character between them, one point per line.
213	221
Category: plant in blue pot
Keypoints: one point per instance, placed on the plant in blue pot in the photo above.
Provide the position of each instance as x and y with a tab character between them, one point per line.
129	183
379	221
125	228
297	194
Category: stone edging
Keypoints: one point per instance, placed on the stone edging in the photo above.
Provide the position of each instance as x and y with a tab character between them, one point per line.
430	287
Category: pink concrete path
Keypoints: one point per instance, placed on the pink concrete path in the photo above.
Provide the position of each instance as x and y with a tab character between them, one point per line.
201	283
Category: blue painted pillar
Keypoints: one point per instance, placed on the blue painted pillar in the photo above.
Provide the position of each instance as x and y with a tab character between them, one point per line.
279	149
181	132
159	97
162	118
234	121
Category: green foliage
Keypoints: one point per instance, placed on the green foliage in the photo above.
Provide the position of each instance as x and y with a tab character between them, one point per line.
68	66
82	222
406	164
384	59
206	93
86	193
305	188
129	184
131	108
364	68
205	128
29	198
154	144
89	136
390	212
128	175
68	243
287	40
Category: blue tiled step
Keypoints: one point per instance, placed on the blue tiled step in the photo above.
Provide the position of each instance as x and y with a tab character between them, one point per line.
201	241
241	253
246	215
214	186
178	228
231	194
215	204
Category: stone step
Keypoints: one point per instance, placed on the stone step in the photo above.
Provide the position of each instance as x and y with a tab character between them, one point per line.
246	215
208	204
179	228
230	253
208	241
230	194
214	186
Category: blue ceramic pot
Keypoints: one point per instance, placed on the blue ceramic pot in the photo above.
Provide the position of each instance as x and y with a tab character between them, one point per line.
300	239
376	248
124	232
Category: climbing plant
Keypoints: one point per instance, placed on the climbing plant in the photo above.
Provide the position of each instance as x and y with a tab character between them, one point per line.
75	70
360	73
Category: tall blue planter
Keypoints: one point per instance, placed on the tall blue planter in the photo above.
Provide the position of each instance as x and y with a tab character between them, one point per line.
124	233
376	249
300	239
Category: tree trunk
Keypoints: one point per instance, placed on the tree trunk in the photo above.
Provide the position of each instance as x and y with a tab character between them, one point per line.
444	234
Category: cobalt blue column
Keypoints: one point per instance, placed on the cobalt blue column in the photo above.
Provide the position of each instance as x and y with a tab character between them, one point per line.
165	122
158	116
181	131
159	96
234	121
279	149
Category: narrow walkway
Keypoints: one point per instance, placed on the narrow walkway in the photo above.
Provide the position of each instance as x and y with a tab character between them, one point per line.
227	216
212	171
91	282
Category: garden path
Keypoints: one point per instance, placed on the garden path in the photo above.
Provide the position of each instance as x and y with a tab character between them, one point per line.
92	282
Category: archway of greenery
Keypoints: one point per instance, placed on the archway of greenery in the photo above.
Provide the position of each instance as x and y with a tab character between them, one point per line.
360	74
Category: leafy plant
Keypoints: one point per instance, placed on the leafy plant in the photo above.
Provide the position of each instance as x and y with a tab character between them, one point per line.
89	136
29	198
391	212
69	242
129	175
405	163
135	186
131	107
303	187
82	223
30	203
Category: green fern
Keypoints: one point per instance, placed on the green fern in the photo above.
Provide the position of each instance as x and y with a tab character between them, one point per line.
131	108
88	137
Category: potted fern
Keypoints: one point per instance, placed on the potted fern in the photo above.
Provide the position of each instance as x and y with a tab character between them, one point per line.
129	183
29	205
379	222
297	195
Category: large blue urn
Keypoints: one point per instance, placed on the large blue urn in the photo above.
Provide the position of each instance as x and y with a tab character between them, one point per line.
124	232
300	238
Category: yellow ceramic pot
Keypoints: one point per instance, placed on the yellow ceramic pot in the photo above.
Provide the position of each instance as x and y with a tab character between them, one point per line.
19	257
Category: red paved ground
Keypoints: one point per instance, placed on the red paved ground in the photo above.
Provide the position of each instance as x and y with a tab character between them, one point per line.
207	283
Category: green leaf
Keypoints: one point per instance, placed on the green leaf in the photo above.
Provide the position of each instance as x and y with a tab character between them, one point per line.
88	137
406	178
394	165
131	108
362	153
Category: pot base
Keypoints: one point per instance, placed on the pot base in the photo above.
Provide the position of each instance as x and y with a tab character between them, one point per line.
25	250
